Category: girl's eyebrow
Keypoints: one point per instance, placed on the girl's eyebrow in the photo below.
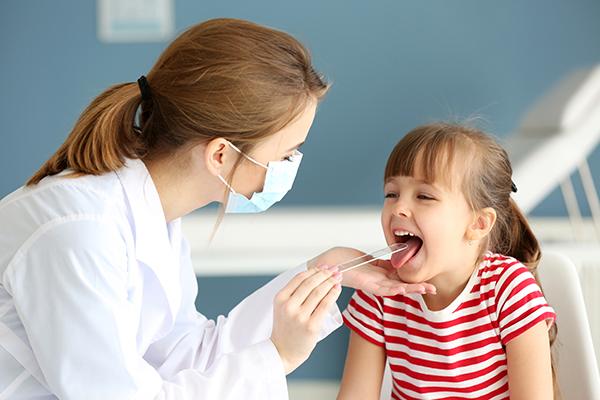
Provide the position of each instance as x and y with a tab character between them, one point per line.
418	181
430	184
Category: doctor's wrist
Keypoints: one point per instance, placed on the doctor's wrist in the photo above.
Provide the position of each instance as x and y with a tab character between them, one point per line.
288	366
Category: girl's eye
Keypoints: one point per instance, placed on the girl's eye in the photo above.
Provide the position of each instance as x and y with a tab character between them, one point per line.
425	197
391	195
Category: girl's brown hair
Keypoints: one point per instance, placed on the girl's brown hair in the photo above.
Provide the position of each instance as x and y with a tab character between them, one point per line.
486	181
222	78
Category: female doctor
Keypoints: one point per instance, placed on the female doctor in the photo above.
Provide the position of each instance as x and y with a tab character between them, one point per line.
97	289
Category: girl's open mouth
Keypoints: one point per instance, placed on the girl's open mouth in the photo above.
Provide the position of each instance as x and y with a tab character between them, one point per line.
413	242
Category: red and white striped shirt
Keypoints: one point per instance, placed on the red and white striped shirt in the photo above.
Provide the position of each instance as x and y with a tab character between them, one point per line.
458	352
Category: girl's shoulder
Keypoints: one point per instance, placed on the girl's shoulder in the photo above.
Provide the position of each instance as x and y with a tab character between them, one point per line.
499	272
495	263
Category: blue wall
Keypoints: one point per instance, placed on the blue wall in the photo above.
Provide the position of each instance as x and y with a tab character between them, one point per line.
394	65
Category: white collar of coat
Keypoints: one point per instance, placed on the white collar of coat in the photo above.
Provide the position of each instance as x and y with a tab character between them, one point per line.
157	244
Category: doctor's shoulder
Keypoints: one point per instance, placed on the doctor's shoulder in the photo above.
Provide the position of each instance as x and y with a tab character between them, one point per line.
88	205
62	196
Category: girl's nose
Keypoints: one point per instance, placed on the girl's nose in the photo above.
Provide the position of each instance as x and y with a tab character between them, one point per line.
401	210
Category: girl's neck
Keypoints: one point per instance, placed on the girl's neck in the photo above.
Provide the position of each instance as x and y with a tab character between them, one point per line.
449	285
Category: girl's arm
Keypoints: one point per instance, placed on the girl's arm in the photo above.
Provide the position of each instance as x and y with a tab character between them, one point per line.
363	371
529	367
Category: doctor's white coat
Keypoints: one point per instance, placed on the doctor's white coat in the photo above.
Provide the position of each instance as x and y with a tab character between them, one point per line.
97	301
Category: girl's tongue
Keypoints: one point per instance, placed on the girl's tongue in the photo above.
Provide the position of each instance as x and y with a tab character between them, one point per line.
400	258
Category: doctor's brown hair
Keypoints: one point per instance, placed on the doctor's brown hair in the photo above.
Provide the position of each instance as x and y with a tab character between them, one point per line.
486	181
223	78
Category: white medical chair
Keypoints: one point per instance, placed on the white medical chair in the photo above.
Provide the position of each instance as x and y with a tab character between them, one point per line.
577	370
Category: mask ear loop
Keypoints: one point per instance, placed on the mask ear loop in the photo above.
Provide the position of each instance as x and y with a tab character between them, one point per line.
248	157
226	184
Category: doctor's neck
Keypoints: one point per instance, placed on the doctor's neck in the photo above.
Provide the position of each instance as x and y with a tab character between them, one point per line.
177	184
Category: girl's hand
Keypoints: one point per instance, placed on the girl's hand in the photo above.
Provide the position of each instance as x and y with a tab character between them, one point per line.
298	313
378	278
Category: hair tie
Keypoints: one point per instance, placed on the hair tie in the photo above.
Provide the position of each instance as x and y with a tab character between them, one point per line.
144	88
513	187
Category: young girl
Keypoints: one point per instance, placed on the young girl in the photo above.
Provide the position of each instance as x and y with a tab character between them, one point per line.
485	333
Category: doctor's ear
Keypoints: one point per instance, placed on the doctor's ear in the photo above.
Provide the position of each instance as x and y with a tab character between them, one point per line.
217	156
482	224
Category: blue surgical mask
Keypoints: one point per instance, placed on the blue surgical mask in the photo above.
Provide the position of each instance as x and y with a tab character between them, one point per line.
278	181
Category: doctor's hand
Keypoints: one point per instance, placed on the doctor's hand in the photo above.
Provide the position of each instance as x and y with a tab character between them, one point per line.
379	278
298	313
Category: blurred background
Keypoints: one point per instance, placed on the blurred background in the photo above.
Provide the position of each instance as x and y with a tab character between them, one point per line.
393	65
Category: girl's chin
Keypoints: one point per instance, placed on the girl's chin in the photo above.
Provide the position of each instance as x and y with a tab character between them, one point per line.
412	271
412	278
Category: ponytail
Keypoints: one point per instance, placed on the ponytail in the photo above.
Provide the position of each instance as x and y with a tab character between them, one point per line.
522	243
103	137
524	247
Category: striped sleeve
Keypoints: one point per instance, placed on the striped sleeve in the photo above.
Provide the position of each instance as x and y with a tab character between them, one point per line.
364	315
520	304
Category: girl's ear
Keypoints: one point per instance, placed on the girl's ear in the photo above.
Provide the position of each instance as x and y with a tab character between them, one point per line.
482	224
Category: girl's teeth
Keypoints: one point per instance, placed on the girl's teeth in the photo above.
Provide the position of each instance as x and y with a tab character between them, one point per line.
403	233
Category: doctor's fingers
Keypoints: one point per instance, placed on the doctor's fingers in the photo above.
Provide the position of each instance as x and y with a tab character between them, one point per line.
310	275
318	294
318	283
322	310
